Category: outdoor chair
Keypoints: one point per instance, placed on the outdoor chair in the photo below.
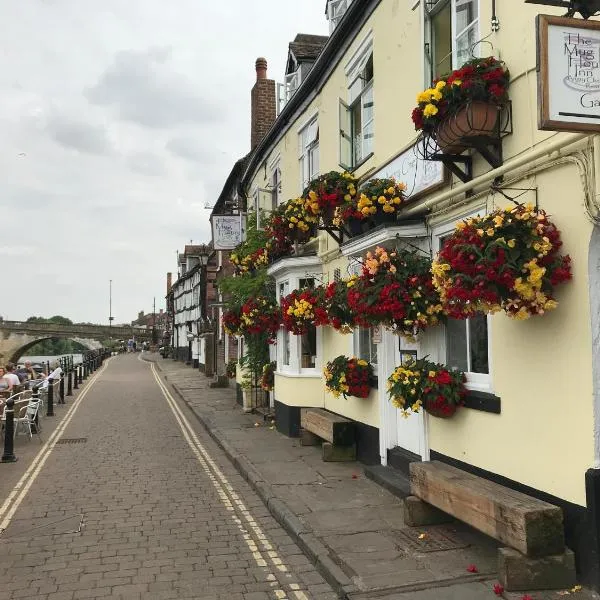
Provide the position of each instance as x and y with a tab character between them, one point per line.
27	419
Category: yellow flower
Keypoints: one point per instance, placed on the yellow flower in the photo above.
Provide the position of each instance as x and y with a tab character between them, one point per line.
390	190
430	110
490	231
498	220
436	95
457	82
362	363
480	232
440	84
510	243
382	199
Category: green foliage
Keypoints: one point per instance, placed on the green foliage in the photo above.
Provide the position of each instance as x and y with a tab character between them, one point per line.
239	288
55	319
54	347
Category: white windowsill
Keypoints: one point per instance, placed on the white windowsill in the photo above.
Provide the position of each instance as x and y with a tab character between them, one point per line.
304	374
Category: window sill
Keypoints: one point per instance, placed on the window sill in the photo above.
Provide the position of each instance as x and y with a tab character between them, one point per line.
358	165
482	401
305	373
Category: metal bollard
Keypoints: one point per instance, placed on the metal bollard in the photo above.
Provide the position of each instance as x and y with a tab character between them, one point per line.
76	378
9	433
70	383
50	411
35	397
61	389
80	373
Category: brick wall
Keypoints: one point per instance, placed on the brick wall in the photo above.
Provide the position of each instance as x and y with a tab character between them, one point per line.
263	110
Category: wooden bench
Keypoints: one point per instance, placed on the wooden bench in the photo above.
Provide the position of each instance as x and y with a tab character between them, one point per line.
338	432
533	529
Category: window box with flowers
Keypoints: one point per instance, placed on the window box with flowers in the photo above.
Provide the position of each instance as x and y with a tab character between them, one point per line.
325	193
465	109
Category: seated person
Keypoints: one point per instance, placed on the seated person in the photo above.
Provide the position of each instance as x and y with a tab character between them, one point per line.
5	383
28	373
12	376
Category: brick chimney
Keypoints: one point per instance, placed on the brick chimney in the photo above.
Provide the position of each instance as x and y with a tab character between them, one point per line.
263	110
169	282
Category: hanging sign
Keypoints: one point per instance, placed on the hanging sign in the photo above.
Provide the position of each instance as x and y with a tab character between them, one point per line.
419	175
568	74
226	231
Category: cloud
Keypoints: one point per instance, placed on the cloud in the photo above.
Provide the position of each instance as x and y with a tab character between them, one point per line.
143	88
78	135
147	163
190	149
17	250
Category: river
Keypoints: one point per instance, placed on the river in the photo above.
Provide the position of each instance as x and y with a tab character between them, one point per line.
77	358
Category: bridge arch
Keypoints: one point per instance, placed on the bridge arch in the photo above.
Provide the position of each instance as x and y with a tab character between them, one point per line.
86	343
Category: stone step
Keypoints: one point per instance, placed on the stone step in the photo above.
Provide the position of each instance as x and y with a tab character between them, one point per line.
391	479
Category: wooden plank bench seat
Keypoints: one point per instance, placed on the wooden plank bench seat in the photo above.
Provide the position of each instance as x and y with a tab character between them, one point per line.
338	432
532	528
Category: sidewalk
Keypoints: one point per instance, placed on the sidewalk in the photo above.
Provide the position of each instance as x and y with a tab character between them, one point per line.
349	526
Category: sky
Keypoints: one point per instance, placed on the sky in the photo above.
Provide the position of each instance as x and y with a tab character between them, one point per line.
119	121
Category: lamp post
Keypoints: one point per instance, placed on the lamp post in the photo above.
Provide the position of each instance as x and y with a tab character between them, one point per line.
110	317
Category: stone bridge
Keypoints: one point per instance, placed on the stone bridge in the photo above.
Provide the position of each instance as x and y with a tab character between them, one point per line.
16	337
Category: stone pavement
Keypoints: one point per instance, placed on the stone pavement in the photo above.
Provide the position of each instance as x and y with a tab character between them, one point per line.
136	501
349	526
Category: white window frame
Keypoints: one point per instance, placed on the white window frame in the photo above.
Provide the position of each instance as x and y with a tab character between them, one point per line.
361	146
308	148
275	182
428	66
336	9
481	382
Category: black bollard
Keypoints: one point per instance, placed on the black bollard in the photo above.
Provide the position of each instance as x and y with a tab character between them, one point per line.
80	373
61	389
9	433
75	378
50	411
70	383
35	397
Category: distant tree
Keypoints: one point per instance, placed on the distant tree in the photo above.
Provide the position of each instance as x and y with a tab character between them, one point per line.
55	319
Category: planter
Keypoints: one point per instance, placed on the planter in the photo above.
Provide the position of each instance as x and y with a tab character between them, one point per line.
327	214
445	411
477	119
357	226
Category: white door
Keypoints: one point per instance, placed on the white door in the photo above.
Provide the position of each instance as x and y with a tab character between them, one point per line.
408	433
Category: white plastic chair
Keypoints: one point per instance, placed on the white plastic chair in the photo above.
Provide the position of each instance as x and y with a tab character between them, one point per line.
27	419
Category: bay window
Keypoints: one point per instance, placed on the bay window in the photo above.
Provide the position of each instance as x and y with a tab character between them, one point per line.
451	30
364	347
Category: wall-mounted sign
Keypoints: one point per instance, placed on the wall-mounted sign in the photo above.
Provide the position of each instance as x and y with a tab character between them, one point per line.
568	74
226	231
419	175
376	335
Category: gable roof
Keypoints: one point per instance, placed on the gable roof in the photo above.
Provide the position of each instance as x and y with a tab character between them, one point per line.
307	47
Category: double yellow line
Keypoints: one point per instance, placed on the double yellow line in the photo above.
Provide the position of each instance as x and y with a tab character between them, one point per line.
18	493
265	556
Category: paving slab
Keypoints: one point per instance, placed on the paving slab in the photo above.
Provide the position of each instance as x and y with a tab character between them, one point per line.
349	526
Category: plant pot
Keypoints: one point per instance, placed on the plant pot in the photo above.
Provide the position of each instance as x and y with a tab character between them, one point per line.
327	213
476	119
439	412
356	226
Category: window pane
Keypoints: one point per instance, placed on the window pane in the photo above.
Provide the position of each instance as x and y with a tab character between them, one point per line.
466	13
313	161
478	344
345	136
456	344
285	347
464	43
441	39
356	133
308	345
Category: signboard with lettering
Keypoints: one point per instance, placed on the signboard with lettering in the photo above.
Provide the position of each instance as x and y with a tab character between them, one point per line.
568	74
419	175
226	231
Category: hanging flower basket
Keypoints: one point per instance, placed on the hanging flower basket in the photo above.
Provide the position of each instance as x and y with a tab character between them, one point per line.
231	321
326	192
260	316
395	290
335	302
348	377
473	120
507	260
463	105
301	309
424	384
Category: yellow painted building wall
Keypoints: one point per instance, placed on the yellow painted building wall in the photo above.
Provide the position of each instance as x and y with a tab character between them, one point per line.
541	368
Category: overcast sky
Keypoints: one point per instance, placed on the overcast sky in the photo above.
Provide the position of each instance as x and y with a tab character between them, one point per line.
119	120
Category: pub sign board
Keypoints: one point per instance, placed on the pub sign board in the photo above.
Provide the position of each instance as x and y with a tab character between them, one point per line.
227	231
568	74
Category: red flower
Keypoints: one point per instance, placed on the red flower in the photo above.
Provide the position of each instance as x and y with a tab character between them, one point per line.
443	378
472	569
498	589
417	117
527	597
497	90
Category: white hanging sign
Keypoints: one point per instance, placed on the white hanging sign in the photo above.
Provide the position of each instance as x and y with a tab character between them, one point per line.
419	175
568	74
226	231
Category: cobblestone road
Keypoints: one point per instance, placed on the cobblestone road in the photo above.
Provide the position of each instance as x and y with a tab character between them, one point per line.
142	504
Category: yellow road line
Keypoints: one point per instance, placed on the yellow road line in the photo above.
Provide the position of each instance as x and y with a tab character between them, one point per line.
19	491
233	503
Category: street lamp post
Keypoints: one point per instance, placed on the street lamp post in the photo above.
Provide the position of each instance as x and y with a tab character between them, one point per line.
110	317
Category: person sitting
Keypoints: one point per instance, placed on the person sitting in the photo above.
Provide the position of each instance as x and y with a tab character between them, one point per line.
5	383
12	376
28	373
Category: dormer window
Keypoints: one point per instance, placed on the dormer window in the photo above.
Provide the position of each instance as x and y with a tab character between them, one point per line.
335	11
